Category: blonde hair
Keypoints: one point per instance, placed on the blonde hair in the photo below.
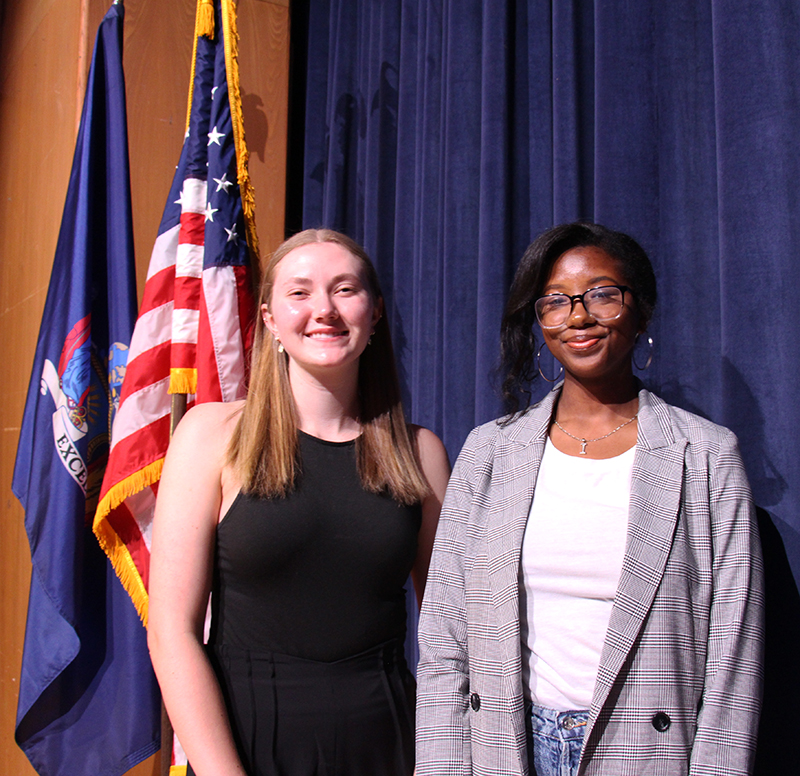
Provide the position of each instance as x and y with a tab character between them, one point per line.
264	448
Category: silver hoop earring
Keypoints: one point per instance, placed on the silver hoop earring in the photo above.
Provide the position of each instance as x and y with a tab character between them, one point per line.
539	368
649	353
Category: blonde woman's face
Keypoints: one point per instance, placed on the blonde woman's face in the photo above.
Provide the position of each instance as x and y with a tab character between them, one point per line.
321	309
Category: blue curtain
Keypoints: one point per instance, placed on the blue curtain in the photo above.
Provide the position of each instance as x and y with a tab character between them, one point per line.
445	134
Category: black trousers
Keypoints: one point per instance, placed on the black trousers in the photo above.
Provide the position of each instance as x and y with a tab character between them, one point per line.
296	717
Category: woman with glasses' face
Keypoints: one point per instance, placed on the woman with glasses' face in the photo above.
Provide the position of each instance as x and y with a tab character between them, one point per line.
589	319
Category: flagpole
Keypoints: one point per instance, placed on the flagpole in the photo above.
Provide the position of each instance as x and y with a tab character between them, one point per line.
177	411
167	740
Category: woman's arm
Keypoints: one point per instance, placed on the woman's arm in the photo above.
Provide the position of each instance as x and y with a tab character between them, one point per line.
435	466
443	728
728	720
190	495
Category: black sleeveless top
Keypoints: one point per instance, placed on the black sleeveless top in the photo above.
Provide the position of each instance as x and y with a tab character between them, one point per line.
318	574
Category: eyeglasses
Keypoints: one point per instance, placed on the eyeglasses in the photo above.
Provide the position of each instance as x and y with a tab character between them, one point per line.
603	303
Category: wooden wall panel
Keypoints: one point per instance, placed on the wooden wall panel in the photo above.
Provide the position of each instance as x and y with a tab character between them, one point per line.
37	119
158	54
45	50
263	68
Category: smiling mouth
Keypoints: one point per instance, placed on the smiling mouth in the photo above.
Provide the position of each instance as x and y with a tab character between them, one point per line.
327	334
582	344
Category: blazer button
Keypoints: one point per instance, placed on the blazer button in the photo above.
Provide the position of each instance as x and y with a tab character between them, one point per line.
475	701
661	722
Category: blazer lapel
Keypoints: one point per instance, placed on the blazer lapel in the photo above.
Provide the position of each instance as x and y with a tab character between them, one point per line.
516	467
653	514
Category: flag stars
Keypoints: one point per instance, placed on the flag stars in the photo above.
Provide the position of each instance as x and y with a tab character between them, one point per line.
209	212
232	235
214	136
214	92
223	184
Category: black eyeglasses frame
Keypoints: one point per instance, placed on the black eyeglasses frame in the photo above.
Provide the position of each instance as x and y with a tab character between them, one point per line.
580	298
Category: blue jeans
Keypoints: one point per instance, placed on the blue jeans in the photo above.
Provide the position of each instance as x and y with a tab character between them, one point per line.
555	740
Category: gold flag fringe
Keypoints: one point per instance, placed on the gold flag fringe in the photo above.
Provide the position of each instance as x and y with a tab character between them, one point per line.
112	544
246	191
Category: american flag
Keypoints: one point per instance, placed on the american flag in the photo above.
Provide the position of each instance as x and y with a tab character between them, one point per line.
194	328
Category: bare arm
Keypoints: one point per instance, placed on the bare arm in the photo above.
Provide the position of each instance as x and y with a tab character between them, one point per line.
436	468
190	497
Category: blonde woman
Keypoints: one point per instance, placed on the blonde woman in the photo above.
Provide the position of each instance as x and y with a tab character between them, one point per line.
301	510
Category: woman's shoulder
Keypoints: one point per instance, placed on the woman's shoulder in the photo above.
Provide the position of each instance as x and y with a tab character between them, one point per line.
423	436
521	427
684	424
197	455
206	428
214	412
506	435
430	447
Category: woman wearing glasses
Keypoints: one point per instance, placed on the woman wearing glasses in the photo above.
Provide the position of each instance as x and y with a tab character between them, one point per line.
595	602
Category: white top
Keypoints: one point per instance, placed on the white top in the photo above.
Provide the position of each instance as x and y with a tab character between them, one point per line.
572	556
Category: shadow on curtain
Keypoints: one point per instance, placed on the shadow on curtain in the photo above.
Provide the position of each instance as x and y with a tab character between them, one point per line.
445	134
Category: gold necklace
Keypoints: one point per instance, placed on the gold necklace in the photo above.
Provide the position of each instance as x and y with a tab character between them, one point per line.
585	442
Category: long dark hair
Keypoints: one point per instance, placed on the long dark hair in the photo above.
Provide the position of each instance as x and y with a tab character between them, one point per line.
518	344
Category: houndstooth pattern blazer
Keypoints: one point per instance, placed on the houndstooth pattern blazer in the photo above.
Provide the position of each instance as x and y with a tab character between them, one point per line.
678	690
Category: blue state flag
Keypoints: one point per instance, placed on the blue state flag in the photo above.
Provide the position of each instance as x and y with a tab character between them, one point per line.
88	699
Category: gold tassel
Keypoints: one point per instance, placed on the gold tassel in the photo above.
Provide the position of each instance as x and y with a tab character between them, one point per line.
182	380
205	19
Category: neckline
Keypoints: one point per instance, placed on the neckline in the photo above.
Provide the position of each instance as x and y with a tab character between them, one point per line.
329	442
549	444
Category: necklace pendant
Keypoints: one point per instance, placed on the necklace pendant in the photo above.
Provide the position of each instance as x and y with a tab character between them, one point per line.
583	446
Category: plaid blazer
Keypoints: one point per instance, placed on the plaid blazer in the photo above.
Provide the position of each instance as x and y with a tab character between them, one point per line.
678	689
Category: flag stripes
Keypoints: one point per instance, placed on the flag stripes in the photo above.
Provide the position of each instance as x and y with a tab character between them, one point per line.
195	324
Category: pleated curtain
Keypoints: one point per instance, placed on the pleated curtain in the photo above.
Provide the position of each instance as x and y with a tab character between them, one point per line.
444	135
